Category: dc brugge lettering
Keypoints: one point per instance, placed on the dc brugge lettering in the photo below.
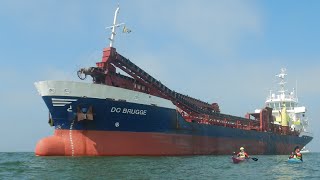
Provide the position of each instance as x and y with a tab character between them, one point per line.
114	109
129	111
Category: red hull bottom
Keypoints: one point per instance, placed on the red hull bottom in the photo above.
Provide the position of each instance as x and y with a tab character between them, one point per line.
111	143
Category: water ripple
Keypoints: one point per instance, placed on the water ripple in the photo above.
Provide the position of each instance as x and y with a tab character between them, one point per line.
28	166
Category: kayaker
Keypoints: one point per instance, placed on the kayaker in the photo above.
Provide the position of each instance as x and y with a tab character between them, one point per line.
242	153
296	153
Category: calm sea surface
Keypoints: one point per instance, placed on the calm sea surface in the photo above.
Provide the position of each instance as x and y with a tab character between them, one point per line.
28	166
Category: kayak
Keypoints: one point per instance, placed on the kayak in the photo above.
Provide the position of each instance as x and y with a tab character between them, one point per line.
237	160
294	160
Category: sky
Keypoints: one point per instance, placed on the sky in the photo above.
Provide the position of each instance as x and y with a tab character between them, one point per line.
218	51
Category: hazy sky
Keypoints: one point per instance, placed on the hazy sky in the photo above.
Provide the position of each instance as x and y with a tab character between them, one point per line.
219	51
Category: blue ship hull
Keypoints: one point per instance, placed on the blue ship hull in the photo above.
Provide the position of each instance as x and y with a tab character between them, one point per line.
125	117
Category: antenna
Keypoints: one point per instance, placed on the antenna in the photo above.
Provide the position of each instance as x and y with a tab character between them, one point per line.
114	26
270	94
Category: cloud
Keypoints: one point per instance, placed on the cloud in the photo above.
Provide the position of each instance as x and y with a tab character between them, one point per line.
215	26
35	16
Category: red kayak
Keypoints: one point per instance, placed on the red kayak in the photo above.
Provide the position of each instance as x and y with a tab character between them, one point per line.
237	160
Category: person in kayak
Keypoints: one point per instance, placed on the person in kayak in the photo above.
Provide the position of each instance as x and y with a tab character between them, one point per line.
242	153
296	153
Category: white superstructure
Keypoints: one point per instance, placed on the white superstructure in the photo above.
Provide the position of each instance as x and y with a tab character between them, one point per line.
285	104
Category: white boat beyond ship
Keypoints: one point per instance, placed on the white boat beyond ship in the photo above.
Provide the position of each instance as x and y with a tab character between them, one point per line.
304	150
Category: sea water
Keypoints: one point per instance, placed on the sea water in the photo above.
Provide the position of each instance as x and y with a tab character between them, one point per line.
28	166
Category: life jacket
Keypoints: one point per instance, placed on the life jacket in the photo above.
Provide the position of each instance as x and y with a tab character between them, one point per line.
298	156
242	154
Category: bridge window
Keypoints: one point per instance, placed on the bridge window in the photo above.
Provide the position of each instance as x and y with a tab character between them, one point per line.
272	105
288	105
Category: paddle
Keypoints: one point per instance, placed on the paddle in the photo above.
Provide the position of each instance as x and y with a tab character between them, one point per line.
255	159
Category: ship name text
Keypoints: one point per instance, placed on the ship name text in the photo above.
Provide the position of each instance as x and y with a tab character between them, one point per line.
129	111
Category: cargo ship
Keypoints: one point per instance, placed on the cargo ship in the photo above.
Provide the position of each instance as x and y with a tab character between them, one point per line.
136	115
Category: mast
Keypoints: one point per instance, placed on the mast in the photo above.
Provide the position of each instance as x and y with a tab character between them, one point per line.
282	83
114	26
